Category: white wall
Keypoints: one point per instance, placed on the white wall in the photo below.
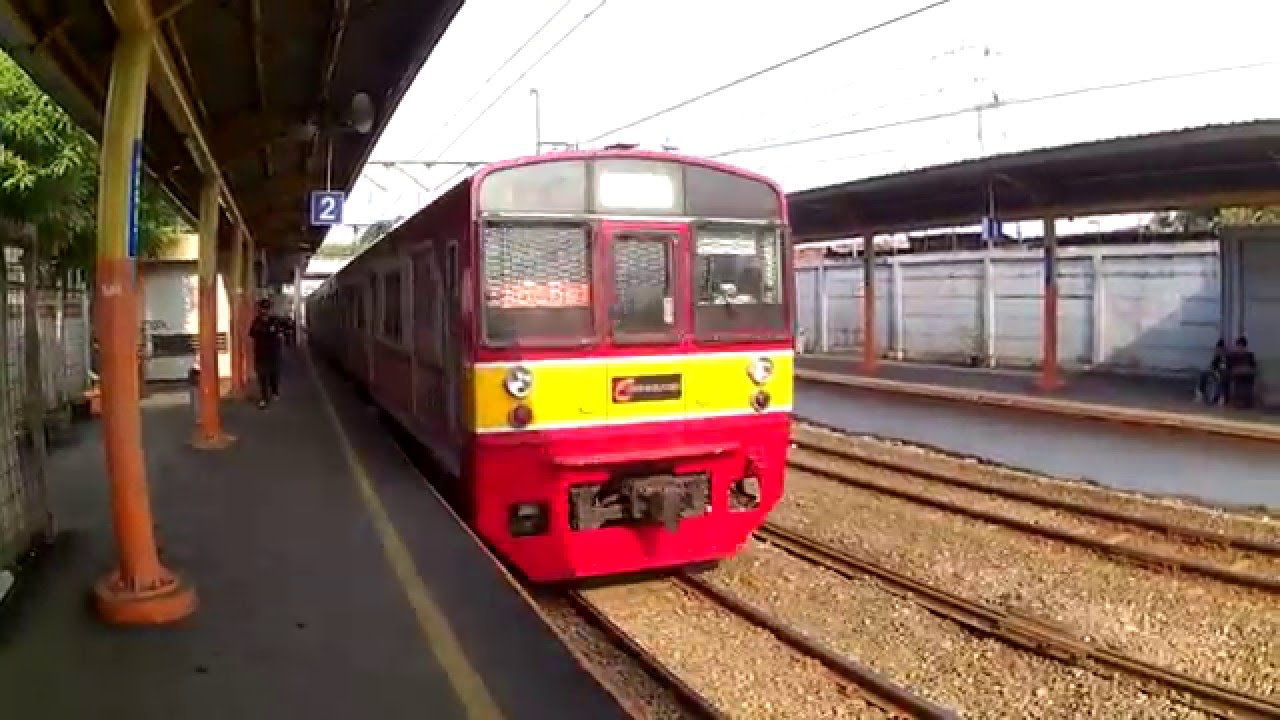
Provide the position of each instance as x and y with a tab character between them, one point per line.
171	297
1149	307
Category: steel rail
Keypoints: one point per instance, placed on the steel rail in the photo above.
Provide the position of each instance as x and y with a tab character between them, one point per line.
1213	537
691	699
1025	632
883	691
1143	556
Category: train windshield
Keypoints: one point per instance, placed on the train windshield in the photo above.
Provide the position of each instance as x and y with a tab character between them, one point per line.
737	281
537	284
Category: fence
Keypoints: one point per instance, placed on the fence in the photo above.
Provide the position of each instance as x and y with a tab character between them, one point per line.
1145	308
63	333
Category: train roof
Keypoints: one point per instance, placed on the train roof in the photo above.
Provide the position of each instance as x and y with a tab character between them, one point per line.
627	153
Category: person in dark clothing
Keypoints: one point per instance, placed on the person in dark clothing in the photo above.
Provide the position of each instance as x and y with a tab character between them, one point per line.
1241	371
266	335
1211	386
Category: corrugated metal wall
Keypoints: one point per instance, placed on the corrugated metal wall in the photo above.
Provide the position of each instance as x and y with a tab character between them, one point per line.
1143	308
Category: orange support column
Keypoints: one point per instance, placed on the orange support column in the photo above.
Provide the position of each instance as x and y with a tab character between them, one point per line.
1049	379
140	591
870	350
236	337
209	434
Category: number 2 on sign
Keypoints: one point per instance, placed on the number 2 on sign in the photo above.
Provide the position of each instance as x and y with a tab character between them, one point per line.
328	209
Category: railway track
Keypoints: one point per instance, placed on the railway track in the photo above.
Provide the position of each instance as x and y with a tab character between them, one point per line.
1024	632
880	691
810	461
693	702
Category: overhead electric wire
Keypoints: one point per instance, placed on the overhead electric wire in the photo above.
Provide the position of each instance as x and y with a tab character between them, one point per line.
899	100
479	88
507	89
988	106
771	68
554	46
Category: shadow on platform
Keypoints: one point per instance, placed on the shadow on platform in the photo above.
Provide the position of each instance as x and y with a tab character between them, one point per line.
301	615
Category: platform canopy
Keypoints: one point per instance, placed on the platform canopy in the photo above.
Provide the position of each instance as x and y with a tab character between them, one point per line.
263	84
1212	166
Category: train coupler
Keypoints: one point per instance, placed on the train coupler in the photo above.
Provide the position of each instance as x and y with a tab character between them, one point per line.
653	499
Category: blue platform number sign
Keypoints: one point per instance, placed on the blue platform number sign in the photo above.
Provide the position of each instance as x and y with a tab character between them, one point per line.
326	207
135	169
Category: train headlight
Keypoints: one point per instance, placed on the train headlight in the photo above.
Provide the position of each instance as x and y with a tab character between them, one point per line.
518	382
760	370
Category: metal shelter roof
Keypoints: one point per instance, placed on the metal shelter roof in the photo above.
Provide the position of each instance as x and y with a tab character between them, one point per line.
256	74
1202	167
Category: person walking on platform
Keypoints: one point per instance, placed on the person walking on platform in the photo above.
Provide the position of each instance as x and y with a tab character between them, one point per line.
266	335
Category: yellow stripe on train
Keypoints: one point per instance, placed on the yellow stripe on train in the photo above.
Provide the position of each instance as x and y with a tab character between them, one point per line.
600	391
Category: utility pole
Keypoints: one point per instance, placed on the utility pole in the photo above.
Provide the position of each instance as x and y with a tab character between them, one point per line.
537	121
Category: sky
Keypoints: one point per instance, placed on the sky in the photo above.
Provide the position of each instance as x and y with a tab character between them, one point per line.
898	98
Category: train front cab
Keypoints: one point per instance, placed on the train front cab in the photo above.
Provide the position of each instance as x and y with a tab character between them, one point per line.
633	384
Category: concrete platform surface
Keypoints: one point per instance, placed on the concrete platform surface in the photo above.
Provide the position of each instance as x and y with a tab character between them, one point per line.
303	614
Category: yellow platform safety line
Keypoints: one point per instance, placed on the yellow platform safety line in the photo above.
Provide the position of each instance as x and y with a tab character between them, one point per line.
577	393
433	624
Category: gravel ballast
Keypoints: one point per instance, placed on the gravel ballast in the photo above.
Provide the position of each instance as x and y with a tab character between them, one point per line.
624	677
934	657
742	669
1195	625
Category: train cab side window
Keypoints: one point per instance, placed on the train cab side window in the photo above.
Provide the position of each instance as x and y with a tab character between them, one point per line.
392	308
738	282
643	305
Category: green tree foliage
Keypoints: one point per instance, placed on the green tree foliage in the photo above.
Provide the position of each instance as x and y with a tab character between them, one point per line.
49	177
1214	219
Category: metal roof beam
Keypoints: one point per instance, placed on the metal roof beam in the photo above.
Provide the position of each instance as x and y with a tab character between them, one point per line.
135	16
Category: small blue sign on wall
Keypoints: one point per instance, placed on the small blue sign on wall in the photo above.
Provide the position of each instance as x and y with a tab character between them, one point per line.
326	207
992	228
135	170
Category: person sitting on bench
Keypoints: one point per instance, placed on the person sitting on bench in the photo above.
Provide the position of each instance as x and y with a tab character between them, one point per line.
1209	389
1242	371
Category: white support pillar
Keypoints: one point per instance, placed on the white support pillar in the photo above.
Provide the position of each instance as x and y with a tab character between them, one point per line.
823	305
1098	326
989	309
898	329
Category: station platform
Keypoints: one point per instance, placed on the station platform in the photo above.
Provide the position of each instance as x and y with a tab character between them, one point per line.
1141	435
330	585
1142	401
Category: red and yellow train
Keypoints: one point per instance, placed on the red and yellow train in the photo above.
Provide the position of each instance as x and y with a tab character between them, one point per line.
597	346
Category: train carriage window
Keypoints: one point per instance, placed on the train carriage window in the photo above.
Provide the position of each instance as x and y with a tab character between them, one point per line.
426	307
392	308
738	283
537	284
375	294
643	304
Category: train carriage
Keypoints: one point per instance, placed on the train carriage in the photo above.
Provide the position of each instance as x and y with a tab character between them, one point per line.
597	345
